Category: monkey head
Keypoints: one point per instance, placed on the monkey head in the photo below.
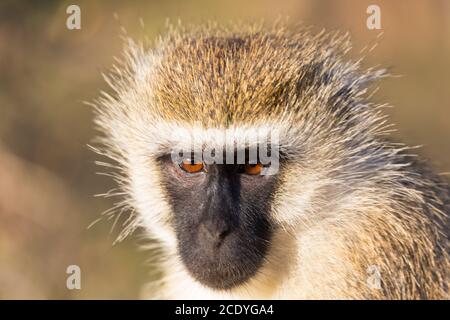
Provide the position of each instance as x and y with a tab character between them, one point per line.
229	95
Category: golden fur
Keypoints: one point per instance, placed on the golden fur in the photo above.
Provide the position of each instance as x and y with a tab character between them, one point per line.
349	200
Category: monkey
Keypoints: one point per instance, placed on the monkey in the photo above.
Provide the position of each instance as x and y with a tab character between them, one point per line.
347	214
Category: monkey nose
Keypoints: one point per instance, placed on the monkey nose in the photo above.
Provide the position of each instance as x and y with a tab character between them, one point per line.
215	230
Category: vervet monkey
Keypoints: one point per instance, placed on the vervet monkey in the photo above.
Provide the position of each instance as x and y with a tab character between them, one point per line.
346	214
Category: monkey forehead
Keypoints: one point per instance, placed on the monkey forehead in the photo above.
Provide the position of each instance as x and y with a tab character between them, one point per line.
221	79
236	82
173	137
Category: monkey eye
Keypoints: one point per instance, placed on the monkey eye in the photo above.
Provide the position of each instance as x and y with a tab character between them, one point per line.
253	169
190	166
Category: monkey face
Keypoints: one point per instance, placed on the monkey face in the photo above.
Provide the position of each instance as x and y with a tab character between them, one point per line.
221	218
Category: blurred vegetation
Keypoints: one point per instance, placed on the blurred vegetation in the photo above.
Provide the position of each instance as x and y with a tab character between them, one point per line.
47	174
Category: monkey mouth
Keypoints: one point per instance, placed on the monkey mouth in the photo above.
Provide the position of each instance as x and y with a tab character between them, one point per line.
225	264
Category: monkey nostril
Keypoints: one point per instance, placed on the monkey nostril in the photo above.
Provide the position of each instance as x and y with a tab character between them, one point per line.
215	232
223	234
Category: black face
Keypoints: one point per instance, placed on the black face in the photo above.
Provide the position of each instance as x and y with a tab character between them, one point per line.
221	218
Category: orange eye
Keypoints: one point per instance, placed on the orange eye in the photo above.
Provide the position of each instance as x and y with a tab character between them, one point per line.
189	166
253	169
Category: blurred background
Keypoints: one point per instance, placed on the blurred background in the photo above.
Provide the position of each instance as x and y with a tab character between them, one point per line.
47	173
